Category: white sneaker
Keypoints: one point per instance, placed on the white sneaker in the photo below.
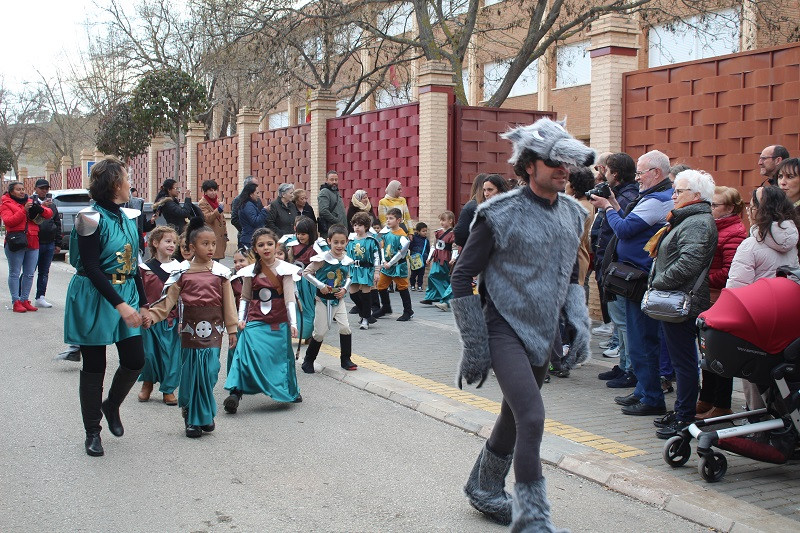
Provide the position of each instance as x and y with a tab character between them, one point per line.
611	352
605	329
442	305
364	324
41	302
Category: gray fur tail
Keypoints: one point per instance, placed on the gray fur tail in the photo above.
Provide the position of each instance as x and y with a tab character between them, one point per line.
577	315
531	510
475	358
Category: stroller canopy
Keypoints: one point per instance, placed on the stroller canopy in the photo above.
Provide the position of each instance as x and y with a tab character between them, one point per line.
764	314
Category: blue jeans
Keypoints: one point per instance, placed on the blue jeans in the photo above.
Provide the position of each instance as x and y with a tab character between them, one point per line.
616	310
643	348
46	252
680	342
21	267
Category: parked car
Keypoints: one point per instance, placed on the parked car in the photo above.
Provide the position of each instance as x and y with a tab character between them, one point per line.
69	203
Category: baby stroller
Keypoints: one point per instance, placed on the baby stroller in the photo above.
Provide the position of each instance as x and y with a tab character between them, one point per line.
751	333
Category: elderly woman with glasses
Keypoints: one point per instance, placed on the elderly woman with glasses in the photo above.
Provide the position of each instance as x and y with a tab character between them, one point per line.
282	211
726	208
683	252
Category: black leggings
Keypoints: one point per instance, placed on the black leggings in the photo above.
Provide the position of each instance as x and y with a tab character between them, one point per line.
131	355
520	426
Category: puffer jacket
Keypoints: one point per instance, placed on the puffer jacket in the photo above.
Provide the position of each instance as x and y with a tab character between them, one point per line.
14	217
731	234
685	252
758	258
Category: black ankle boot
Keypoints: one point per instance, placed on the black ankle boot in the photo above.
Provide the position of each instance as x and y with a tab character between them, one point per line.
407	311
311	355
123	380
90	390
386	304
346	346
231	403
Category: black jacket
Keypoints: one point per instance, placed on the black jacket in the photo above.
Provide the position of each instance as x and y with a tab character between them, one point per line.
281	217
50	228
461	229
176	214
624	194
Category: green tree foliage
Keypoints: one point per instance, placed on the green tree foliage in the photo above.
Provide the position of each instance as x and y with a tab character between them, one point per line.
165	100
119	134
6	160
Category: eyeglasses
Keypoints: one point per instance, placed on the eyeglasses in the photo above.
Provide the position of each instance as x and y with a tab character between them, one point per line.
679	191
641	172
763	157
552	163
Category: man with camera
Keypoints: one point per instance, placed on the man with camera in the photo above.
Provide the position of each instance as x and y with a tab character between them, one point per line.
49	240
633	228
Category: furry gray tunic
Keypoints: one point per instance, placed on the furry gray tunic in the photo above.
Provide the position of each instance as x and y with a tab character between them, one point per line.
534	254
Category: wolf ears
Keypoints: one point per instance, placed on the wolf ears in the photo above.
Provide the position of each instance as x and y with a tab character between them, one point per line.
549	139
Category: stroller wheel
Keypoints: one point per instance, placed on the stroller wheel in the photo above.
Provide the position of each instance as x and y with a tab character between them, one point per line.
677	451
713	467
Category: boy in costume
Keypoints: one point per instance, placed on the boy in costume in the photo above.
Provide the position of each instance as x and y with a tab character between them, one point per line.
395	266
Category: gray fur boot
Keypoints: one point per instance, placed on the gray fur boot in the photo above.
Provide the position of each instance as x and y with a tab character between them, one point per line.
485	487
531	510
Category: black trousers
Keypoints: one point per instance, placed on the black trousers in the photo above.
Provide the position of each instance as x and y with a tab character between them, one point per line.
131	355
520	426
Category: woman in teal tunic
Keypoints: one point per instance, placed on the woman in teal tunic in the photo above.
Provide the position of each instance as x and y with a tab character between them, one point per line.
105	298
263	360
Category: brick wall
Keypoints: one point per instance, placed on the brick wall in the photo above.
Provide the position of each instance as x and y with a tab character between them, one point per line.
280	156
137	174
217	160
716	114
371	149
55	180
478	147
166	168
29	184
74	179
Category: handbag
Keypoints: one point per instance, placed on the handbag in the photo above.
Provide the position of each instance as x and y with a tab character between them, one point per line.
416	261
669	306
17	240
623	279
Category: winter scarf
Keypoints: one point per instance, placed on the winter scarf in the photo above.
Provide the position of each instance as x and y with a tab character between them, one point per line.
365	206
213	203
392	189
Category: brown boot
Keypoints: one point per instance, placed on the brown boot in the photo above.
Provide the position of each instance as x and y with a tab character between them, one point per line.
170	399
147	390
714	412
702	407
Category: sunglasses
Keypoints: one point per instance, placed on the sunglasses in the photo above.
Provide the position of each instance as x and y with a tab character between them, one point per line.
552	163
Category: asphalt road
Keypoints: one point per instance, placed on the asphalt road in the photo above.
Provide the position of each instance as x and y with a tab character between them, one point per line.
343	460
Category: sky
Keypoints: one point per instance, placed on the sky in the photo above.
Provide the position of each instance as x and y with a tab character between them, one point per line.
37	34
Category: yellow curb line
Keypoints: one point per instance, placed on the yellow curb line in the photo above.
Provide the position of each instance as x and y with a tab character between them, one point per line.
553	427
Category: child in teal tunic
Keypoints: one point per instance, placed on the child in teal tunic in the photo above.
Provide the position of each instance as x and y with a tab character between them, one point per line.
302	246
263	361
395	266
329	273
364	250
441	259
208	310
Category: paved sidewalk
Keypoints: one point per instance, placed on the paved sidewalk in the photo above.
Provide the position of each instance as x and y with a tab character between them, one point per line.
414	364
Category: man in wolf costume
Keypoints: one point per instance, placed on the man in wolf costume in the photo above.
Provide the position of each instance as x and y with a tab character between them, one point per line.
524	244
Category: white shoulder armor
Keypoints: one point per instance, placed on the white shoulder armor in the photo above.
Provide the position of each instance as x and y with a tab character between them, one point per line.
244	272
218	269
130	213
86	221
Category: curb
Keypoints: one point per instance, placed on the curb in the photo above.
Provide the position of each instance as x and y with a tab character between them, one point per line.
682	498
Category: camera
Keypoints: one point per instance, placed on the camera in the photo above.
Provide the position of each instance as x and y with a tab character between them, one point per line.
603	190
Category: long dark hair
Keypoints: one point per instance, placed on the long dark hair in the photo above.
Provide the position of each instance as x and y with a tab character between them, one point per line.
303	224
168	184
498	181
257	234
773	207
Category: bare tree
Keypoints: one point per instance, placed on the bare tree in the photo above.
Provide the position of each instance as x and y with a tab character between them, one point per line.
20	115
69	124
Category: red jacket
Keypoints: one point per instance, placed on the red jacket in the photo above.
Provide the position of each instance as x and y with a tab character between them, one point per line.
14	217
731	234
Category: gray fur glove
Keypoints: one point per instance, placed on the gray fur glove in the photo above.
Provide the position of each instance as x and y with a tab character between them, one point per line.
475	358
577	315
